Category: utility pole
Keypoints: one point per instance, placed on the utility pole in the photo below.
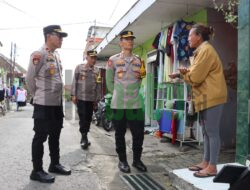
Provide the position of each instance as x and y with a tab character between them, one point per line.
12	65
10	72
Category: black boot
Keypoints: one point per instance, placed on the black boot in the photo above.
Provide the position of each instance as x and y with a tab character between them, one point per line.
137	163
123	164
42	176
59	169
124	167
84	141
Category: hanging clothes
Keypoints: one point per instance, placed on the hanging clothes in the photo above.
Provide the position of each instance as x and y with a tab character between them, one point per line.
161	65
174	128
181	35
155	43
169	49
168	69
173	41
167	60
166	121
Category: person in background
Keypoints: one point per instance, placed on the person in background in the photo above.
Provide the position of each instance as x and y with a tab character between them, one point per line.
21	95
85	92
209	93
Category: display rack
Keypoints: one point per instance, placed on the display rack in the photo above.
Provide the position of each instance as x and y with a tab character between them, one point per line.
181	138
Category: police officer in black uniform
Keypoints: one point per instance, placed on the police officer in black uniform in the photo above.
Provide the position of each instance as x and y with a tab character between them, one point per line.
123	77
44	80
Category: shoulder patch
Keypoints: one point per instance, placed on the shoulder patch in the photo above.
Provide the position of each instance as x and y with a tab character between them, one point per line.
110	63
36	57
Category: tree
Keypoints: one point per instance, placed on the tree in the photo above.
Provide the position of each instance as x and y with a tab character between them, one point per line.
229	10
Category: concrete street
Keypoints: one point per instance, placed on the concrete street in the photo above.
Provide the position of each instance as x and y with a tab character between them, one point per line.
95	169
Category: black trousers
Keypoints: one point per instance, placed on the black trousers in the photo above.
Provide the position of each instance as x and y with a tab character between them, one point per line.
135	120
85	112
46	127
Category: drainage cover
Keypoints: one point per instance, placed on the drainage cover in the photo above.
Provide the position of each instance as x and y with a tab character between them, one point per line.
141	182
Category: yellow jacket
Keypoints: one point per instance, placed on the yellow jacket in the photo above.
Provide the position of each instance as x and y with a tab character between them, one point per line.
206	78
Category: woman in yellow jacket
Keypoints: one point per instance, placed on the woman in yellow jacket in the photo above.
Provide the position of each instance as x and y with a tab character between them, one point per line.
209	93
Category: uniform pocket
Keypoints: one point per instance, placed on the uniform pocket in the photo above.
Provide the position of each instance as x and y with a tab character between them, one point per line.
51	69
82	75
120	72
136	71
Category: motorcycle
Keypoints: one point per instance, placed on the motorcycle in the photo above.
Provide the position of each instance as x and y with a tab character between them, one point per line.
102	116
96	119
106	114
2	102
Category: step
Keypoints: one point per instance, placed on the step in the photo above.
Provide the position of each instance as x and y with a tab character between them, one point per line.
183	179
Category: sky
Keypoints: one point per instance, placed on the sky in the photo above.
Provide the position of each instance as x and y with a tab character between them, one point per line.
22	23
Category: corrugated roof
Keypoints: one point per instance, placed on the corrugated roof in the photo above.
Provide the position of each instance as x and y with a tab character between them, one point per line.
146	18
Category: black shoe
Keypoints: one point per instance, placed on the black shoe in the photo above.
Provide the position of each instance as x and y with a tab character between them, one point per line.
139	166
85	142
42	176
59	169
124	167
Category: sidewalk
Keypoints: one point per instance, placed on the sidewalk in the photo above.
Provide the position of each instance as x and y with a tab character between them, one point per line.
160	158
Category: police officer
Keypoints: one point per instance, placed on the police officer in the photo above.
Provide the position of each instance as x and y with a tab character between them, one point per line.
85	93
123	77
44	80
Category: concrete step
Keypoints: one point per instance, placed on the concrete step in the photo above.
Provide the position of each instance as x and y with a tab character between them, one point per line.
183	179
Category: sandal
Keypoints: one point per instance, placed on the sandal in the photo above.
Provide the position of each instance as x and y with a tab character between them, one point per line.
195	168
203	175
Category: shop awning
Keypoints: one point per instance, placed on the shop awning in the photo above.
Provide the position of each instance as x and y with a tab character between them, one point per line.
146	18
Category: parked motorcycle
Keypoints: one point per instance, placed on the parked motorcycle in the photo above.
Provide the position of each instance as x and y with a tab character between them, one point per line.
106	114
2	102
96	118
102	116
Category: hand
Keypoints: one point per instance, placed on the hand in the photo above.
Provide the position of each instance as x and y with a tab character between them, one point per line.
95	105
183	70
74	99
138	75
174	75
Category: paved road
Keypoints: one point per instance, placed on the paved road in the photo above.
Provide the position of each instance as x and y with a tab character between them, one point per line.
95	169
15	156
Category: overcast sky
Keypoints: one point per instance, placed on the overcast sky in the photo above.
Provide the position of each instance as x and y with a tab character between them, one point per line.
22	22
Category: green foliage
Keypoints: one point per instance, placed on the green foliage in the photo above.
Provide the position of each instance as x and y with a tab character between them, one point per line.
229	10
67	96
2	72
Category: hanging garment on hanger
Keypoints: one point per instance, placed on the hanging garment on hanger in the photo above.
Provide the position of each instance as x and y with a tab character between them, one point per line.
156	41
161	58
163	40
169	48
161	65
173	41
167	62
166	121
181	35
168	69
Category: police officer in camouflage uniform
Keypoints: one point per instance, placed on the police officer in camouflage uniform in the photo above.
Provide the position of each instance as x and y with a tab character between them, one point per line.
123	77
85	93
44	80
